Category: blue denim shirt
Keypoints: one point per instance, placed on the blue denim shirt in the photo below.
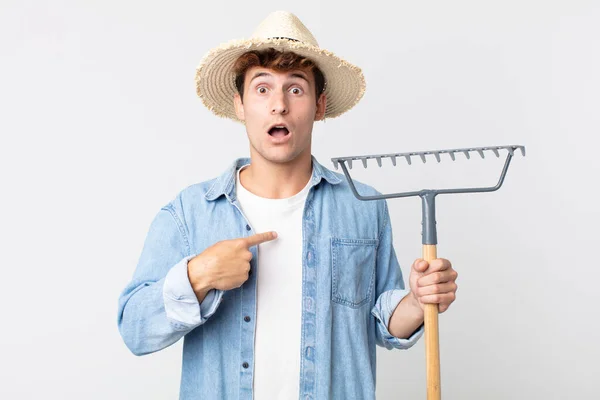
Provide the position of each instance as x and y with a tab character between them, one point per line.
351	284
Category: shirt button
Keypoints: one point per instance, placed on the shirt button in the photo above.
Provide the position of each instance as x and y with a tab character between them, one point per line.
245	365
247	318
248	227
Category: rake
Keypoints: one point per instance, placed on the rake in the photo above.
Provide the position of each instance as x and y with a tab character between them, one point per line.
429	232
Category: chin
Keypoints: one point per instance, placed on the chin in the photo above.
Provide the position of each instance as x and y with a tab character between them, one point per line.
279	158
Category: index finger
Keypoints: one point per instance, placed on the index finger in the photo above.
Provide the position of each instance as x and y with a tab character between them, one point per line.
259	238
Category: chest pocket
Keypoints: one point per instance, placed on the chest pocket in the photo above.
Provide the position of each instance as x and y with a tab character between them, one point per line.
352	270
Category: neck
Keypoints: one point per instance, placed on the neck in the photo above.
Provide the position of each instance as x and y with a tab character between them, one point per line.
274	180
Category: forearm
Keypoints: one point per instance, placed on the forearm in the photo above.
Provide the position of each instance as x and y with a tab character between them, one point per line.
407	318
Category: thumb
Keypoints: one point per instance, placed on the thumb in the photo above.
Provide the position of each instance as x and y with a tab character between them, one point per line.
420	265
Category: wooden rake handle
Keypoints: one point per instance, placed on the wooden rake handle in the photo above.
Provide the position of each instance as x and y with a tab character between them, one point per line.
432	343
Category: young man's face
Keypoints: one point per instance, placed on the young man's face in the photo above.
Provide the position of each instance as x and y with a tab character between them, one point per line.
285	99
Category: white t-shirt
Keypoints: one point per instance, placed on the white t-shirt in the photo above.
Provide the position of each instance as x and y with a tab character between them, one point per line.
279	292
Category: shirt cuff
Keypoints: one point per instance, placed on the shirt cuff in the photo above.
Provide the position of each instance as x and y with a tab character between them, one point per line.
383	310
181	303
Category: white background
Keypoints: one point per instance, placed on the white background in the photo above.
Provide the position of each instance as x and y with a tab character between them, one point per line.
100	127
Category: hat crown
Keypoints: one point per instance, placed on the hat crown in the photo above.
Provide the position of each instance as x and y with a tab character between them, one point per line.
283	24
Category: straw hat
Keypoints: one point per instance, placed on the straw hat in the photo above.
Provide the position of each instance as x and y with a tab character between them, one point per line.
215	81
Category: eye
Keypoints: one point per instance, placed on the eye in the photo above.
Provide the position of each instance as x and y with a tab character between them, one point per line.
261	90
296	90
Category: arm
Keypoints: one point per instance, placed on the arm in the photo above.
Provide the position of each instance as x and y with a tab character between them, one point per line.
159	306
406	319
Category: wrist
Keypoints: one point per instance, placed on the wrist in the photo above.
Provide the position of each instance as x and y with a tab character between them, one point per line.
415	305
199	279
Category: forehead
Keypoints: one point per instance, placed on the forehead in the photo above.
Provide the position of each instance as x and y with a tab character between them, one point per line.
268	73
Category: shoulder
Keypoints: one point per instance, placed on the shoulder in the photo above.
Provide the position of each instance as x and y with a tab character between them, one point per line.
190	199
343	193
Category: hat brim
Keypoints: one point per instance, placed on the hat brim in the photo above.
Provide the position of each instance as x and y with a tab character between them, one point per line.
215	81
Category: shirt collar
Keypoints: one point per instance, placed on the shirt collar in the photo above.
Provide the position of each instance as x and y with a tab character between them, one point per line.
225	184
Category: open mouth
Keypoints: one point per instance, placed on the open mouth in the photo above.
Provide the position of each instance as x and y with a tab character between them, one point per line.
279	131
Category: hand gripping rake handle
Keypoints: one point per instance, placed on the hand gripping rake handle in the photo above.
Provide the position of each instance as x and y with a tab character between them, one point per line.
432	352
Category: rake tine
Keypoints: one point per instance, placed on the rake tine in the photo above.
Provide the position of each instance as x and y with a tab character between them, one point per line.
512	149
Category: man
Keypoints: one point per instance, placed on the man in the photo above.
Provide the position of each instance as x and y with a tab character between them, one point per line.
281	282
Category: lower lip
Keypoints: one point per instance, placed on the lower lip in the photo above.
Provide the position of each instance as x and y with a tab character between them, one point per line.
280	139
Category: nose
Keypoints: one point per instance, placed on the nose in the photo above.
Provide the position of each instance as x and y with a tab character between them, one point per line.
279	104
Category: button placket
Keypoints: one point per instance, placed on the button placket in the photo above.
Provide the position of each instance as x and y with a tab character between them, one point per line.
309	284
248	308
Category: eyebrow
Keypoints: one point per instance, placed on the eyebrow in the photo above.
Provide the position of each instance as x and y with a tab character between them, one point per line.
293	75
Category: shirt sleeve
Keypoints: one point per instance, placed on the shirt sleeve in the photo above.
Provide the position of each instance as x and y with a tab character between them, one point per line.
151	316
390	289
181	303
383	310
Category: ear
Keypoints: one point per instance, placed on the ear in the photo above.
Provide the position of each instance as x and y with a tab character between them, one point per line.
321	106
239	107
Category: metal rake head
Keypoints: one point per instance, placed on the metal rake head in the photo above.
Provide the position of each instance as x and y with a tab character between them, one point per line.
341	161
436	153
428	195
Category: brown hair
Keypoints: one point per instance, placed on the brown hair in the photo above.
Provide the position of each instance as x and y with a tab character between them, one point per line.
278	61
